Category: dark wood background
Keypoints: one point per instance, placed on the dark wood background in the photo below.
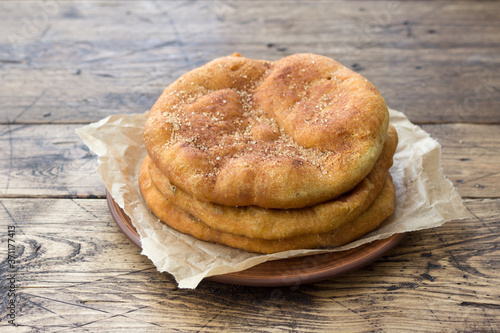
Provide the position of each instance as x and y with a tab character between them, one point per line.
65	64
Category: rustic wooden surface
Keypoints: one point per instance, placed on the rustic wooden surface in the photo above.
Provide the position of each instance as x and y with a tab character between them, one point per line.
65	64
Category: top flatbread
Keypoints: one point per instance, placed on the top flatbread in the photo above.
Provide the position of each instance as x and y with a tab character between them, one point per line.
284	134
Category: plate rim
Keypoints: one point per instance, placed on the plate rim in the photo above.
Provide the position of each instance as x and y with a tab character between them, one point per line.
379	248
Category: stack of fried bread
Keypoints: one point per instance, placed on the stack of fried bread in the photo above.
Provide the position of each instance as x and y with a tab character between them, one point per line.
270	156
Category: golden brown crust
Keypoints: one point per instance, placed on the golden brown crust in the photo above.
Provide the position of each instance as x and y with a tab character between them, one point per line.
257	222
382	207
288	134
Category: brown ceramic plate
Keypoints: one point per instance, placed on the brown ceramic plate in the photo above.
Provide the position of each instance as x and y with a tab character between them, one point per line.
286	272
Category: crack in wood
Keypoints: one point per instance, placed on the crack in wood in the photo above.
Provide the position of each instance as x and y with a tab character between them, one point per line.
416	283
481	305
38	98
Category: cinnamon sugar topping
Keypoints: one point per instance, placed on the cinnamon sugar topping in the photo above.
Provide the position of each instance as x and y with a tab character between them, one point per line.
221	129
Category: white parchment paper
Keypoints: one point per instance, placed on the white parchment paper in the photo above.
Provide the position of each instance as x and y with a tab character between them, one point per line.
425	198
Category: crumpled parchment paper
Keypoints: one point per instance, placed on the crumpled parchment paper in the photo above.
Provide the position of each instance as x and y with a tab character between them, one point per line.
425	198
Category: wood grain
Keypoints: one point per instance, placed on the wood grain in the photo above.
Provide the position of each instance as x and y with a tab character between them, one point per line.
470	157
436	62
78	271
64	64
48	160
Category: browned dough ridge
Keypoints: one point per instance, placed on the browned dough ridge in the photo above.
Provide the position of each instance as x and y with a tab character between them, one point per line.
382	208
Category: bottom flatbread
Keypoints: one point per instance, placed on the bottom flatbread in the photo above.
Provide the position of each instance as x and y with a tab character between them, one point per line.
382	208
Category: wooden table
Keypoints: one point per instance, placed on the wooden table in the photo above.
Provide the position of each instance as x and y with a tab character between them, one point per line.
66	64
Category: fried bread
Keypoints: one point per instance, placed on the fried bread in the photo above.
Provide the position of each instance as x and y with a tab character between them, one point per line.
257	222
286	134
186	223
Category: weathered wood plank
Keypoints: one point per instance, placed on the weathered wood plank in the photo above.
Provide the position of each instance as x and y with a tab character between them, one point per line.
436	269
76	270
79	62
50	160
470	157
46	160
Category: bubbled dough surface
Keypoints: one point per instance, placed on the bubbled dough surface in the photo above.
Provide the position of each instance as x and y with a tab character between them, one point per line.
284	134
